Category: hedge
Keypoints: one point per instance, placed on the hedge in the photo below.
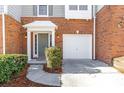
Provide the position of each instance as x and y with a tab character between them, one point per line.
53	57
11	65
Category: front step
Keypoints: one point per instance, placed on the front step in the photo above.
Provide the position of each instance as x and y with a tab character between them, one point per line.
35	62
118	63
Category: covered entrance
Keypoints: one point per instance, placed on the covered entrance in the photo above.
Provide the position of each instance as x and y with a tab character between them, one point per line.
43	37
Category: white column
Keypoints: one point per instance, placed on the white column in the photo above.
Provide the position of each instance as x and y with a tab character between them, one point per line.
29	45
48	39
53	38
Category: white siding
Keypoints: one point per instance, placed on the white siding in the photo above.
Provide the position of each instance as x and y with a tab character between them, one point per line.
99	7
27	10
86	14
1	8
15	11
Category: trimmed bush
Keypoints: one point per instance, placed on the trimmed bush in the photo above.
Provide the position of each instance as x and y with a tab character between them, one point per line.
53	57
11	65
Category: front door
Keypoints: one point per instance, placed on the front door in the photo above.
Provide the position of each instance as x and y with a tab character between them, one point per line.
42	44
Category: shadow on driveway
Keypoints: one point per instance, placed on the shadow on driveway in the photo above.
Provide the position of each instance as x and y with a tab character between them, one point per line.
77	66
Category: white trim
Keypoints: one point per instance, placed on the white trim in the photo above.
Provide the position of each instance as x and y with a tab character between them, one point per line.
41	29
42	15
5	9
29	45
49	39
53	38
3	33
94	33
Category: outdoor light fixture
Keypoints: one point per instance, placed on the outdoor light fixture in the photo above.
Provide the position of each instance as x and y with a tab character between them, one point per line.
57	36
121	23
25	36
77	31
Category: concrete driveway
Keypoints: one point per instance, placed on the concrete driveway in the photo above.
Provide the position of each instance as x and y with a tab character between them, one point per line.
89	73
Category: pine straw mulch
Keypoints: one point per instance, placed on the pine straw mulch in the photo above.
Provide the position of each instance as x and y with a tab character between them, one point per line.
22	81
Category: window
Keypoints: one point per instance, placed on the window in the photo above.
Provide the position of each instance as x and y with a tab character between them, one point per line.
73	7
83	7
42	10
50	40
35	44
78	7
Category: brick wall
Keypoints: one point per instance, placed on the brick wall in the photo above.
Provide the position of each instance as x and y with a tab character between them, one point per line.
13	35
64	26
1	43
109	36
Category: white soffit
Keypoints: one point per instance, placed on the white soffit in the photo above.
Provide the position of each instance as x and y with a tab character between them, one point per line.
40	24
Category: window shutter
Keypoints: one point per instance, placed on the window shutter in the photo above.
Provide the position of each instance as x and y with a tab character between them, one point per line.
34	10
50	10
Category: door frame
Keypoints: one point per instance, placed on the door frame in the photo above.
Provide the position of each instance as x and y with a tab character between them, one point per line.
36	33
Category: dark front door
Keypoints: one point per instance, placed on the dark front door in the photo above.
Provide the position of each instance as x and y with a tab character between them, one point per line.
42	44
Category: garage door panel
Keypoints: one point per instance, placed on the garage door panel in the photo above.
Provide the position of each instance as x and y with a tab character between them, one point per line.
77	46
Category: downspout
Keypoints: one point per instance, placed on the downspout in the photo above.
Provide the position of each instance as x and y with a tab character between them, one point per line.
3	32
94	32
5	11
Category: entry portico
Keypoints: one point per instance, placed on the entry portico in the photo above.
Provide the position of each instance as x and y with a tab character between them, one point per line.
43	36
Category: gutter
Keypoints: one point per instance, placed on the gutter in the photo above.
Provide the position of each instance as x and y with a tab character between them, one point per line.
94	32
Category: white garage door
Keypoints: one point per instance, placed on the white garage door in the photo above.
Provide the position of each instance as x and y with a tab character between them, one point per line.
77	46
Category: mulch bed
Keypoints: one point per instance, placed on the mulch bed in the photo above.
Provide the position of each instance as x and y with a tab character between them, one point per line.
53	70
22	81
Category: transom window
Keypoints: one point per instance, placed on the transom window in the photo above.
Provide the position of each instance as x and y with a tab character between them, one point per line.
78	7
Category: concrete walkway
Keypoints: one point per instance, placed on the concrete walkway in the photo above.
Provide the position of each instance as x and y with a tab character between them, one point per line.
36	74
78	73
89	73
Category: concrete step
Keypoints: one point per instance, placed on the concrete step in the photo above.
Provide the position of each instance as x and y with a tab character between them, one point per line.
119	59
35	62
118	63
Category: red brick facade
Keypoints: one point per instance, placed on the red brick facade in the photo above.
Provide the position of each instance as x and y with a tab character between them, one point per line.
13	35
1	38
64	26
110	33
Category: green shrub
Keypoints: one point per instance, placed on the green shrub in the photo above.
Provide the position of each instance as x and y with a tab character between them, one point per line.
10	65
53	57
